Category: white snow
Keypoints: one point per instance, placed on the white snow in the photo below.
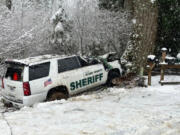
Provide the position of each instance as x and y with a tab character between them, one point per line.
59	27
57	14
115	111
170	57
152	57
36	59
178	55
164	49
134	21
163	63
152	1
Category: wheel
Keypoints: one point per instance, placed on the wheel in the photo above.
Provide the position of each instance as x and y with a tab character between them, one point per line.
56	95
112	75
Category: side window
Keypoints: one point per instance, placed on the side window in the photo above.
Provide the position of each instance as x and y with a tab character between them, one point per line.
39	71
68	64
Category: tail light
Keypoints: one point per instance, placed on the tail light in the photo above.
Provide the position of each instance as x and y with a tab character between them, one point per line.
26	88
15	76
2	82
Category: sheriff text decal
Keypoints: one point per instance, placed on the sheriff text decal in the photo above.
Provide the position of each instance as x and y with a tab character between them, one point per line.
86	81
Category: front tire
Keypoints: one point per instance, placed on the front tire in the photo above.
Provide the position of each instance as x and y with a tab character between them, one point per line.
111	76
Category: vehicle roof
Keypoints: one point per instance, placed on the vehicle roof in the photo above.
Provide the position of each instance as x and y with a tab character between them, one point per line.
36	59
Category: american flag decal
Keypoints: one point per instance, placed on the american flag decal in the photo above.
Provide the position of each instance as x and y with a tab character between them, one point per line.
46	83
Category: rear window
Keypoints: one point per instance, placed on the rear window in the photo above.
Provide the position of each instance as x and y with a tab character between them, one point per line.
39	71
14	72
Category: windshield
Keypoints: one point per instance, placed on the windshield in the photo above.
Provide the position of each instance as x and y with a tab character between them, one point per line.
14	72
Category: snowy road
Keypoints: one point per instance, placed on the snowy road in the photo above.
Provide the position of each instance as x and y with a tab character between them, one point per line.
140	111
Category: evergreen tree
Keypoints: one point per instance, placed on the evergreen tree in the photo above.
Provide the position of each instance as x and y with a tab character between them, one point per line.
169	26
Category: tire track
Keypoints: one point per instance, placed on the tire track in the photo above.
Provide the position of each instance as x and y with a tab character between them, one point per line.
8	124
4	110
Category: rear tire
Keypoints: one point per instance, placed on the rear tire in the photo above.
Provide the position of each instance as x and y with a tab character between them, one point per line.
56	95
112	75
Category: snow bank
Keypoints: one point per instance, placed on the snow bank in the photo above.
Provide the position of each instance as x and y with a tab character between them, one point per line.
113	111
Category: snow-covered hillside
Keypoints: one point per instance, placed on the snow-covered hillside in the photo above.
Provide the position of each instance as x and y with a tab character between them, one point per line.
115	111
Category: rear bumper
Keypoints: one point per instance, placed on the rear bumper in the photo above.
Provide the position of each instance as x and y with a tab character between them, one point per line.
8	101
26	101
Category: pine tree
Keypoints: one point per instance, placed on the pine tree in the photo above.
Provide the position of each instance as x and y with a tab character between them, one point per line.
169	26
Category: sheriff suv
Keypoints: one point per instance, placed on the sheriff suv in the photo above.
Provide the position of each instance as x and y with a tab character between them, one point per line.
53	77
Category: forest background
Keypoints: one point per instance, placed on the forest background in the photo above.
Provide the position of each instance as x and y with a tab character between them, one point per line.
132	28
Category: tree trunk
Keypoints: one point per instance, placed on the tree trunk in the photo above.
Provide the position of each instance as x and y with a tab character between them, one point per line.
142	44
9	4
128	4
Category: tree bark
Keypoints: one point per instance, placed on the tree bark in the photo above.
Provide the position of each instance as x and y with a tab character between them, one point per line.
145	14
9	4
128	5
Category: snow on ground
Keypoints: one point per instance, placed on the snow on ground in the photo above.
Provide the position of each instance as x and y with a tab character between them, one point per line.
114	111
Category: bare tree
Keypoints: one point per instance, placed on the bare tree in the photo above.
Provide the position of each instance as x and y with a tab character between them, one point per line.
26	29
99	31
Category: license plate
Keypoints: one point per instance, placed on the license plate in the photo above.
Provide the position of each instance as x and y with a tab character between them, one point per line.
12	88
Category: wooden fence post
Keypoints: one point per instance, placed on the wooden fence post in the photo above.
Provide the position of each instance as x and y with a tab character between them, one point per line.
162	73
151	66
149	76
164	50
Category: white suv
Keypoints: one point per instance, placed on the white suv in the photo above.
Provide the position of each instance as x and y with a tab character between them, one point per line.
52	77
